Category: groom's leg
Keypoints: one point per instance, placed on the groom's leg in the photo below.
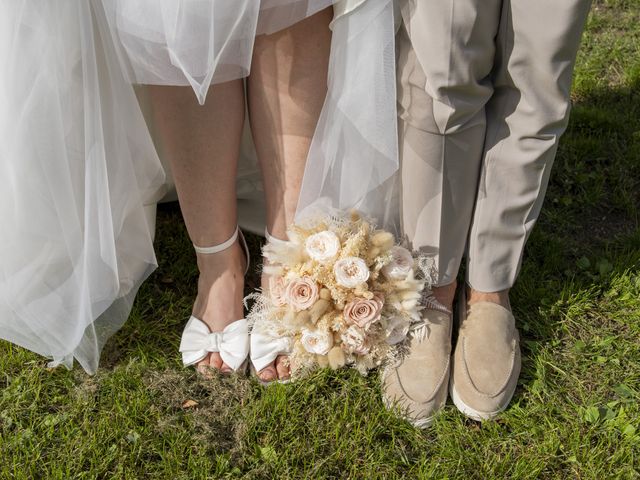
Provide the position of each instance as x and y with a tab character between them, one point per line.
537	46
445	57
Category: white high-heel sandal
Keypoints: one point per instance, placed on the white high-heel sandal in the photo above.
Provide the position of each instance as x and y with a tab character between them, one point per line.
265	348
232	343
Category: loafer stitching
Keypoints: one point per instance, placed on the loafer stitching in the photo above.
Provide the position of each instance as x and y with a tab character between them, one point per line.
444	376
436	389
504	384
503	406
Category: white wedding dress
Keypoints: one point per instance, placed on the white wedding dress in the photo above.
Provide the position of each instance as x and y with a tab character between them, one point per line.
80	175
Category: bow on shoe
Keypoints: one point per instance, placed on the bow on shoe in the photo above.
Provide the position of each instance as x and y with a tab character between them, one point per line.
265	348
198	341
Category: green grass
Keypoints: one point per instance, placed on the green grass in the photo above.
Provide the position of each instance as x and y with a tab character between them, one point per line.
576	413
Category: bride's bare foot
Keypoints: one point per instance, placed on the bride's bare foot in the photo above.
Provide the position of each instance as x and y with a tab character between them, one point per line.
220	294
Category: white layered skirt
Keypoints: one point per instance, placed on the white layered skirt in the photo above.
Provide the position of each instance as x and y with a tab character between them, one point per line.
79	173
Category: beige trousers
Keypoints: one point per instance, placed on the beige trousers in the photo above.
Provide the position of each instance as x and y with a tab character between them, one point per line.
483	88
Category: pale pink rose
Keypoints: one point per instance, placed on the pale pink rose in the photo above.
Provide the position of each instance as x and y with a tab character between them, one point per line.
301	293
363	312
277	289
351	272
400	265
354	340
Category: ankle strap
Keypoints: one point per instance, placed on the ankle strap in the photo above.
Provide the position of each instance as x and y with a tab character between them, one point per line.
271	239
218	248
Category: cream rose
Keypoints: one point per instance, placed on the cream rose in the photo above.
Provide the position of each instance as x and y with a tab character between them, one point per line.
322	246
277	289
354	340
363	312
316	341
351	272
301	293
396	330
400	265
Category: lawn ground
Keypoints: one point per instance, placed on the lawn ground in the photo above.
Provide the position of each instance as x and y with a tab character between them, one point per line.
576	413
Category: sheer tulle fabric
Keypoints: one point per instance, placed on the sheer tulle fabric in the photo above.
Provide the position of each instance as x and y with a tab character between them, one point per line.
197	42
79	174
353	161
79	179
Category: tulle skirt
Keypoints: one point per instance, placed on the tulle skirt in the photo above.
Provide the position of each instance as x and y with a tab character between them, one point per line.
79	174
197	42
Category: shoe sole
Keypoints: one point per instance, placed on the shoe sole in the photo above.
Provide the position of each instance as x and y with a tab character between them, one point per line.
420	423
471	412
266	383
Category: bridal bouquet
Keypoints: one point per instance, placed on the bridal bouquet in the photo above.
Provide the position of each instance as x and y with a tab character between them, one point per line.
343	293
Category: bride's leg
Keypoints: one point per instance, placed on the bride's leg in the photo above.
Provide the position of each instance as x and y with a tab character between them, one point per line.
286	90
202	144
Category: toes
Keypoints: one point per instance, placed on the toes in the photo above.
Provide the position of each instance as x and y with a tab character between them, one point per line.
268	374
203	367
212	363
282	368
224	368
215	361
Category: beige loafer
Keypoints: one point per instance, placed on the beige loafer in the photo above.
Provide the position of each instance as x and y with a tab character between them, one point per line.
417	385
486	362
